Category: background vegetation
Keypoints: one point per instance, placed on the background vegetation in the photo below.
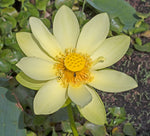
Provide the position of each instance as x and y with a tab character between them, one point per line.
127	113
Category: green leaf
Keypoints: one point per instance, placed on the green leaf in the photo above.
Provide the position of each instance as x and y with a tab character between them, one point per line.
31	9
116	25
118	111
11	56
39	120
6	3
60	115
46	22
118	121
59	3
96	130
30	133
138	41
54	133
130	51
66	126
25	96
10	42
10	11
129	130
23	19
143	15
4	66
10	115
41	4
143	48
125	12
81	17
5	27
3	81
10	20
1	43
143	27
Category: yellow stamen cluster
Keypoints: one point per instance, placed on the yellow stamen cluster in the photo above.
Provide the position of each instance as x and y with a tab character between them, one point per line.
73	68
74	62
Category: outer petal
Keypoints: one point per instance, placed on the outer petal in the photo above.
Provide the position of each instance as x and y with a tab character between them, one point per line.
79	95
45	38
112	49
29	82
95	110
66	27
93	33
29	46
49	98
36	68
112	81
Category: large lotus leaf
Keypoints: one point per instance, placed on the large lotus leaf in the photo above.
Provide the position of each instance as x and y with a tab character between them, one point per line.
116	8
11	121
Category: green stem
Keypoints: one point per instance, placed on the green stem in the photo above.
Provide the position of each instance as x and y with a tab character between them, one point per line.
83	5
71	119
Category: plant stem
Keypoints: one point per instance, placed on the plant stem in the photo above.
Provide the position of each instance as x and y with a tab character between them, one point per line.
71	119
83	5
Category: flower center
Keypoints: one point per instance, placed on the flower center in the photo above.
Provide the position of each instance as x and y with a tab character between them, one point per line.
74	62
73	68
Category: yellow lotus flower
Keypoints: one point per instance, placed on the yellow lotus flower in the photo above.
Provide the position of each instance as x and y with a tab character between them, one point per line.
69	63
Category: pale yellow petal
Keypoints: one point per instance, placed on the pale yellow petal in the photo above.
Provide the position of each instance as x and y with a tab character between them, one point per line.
66	27
29	46
79	95
112	50
44	37
29	82
108	80
37	68
93	33
95	110
50	98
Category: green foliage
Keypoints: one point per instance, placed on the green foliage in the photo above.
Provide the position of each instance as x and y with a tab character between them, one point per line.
129	130
116	25
143	48
138	45
124	11
10	11
81	17
41	4
10	115
30	133
54	133
59	3
118	116
4	66
31	9
96	130
6	3
141	28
